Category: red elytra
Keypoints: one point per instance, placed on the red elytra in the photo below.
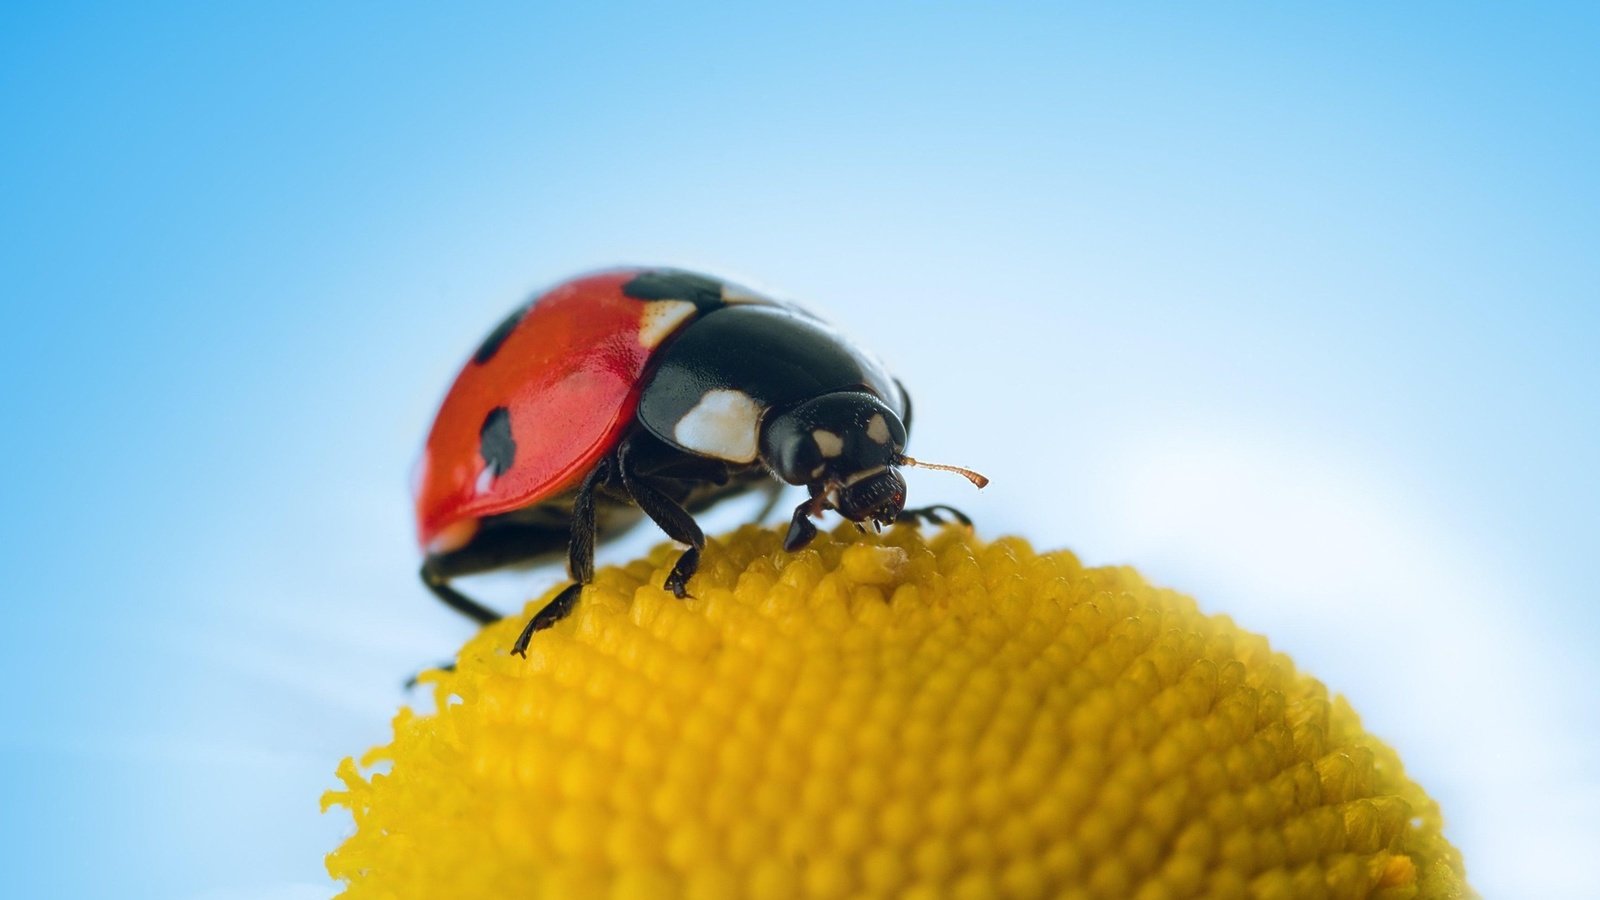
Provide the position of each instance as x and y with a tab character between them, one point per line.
570	369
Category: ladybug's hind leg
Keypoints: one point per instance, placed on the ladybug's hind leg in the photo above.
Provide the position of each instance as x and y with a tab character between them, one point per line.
461	603
580	558
670	517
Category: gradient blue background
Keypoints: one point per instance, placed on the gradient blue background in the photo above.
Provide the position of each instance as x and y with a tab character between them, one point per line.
1295	310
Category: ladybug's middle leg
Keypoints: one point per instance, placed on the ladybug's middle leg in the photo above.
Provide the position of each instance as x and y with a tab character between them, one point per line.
670	517
580	558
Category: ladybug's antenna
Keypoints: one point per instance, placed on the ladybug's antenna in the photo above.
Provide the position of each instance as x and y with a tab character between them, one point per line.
968	474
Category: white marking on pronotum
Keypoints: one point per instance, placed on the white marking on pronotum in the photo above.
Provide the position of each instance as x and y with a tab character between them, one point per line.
661	318
829	443
485	480
725	424
878	429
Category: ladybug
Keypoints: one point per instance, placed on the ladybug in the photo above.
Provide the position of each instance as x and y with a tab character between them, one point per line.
651	393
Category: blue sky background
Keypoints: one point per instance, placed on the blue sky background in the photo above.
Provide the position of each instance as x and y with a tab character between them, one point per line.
1297	310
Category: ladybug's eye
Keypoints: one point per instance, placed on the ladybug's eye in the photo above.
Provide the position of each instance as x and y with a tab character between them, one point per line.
790	449
835	436
799	459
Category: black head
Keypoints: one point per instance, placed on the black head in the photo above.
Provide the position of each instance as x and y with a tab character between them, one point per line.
845	447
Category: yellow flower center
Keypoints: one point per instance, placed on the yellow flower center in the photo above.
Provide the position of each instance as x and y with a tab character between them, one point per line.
885	715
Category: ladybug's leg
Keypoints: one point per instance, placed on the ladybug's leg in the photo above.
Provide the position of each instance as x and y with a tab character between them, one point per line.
933	514
801	528
580	559
671	518
454	599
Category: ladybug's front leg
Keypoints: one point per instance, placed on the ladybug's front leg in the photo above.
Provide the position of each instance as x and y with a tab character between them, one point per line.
934	515
670	517
801	529
580	559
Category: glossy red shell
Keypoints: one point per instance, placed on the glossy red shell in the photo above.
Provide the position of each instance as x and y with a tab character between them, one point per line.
569	373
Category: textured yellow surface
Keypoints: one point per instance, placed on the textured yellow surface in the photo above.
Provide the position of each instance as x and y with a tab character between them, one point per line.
904	715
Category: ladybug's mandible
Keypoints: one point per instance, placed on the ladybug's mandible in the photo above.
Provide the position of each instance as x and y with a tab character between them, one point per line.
656	391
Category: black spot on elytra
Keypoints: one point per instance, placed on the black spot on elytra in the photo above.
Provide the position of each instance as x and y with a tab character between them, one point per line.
495	443
491	344
671	284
